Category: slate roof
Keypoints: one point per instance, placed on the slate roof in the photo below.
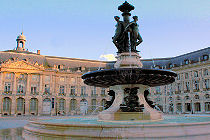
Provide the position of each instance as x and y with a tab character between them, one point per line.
51	61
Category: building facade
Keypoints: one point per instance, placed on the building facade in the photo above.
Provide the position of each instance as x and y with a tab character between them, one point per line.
34	84
190	93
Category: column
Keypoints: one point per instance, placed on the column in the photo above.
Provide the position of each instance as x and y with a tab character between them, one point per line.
40	84
27	104
67	105
183	106
13	105
14	89
1	83
202	106
28	84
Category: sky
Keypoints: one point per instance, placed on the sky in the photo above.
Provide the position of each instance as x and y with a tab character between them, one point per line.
84	28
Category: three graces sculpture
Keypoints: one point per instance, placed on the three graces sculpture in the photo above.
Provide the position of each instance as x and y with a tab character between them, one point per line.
127	35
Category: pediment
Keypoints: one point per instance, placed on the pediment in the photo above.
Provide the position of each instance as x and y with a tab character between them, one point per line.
21	65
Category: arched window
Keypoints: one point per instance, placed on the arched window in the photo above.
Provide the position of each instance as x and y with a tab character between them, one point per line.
34	105
7	104
197	107
20	104
93	104
61	104
103	103
73	104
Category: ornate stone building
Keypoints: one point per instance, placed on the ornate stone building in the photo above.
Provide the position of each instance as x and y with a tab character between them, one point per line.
34	84
190	93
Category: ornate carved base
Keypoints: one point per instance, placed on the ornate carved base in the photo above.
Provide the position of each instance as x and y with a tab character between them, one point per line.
115	112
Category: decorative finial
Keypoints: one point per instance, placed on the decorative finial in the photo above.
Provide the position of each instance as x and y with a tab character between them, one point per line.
126	8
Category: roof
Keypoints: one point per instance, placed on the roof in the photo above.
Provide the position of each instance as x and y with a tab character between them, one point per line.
52	61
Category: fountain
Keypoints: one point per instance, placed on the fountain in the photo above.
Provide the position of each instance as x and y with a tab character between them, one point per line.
130	114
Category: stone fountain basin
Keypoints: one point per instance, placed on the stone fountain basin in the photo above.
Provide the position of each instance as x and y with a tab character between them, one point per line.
122	76
172	127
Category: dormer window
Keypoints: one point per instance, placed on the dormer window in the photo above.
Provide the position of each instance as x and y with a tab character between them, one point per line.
157	67
205	57
186	62
170	65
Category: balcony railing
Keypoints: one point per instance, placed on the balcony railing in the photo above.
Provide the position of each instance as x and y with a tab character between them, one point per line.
34	93
61	94
46	93
21	93
94	95
83	95
7	93
73	95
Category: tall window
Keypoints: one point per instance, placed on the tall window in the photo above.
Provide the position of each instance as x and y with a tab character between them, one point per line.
62	90
196	85
33	104
206	83
178	76
20	104
179	87
93	103
93	90
103	103
179	107
207	106
7	87
73	104
103	91
20	88
195	73
33	89
205	72
187	86
197	107
83	90
7	104
186	75
73	90
47	89
61	105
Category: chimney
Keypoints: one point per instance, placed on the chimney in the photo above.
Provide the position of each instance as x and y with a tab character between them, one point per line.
38	52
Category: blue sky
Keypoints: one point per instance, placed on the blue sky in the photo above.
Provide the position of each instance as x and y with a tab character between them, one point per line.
84	28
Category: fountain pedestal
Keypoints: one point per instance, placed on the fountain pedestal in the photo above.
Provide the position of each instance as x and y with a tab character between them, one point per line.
114	112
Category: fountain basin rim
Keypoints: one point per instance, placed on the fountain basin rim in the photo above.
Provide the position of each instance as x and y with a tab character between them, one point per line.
40	122
124	76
